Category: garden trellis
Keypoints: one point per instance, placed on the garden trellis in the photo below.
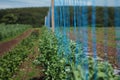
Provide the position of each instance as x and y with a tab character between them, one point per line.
73	15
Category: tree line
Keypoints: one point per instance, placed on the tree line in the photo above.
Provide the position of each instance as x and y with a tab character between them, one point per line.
104	16
35	16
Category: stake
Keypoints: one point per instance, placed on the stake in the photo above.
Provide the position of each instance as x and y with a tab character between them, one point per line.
52	3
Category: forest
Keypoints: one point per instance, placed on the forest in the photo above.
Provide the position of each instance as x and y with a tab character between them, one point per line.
35	16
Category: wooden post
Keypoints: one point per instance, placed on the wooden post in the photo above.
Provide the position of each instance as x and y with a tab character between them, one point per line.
53	24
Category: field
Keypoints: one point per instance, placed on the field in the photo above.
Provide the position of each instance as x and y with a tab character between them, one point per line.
17	52
8	32
100	41
67	40
38	54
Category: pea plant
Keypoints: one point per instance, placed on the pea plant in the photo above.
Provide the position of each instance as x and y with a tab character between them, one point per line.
58	66
10	62
48	58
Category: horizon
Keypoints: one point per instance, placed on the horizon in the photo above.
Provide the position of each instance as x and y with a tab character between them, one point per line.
11	4
44	7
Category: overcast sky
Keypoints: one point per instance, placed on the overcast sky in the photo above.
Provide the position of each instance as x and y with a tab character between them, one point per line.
40	3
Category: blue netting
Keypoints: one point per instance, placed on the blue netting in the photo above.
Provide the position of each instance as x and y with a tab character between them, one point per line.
76	24
117	30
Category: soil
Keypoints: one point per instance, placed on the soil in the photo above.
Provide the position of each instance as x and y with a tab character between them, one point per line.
7	46
112	57
29	71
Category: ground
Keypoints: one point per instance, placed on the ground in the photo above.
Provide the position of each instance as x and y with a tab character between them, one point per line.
27	70
6	46
111	43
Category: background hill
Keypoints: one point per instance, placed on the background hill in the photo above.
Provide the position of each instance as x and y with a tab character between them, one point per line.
35	16
32	16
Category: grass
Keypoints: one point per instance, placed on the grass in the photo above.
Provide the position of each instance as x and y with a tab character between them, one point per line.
8	32
100	41
13	37
100	37
111	42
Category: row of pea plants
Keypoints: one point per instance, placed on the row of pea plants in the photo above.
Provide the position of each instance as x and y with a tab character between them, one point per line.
9	31
10	62
59	65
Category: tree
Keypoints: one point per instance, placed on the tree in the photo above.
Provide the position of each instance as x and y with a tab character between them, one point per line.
9	19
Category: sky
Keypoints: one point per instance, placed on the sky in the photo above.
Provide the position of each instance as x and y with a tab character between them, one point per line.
41	3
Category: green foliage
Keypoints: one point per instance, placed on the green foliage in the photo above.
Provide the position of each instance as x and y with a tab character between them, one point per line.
10	31
99	15
10	62
35	16
58	66
53	65
31	16
104	71
9	19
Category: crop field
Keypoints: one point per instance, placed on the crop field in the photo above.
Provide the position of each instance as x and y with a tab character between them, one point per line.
100	31
100	41
11	62
43	56
54	54
67	40
10	31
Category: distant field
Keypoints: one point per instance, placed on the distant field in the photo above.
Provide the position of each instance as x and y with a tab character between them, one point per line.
8	32
100	31
101	37
100	41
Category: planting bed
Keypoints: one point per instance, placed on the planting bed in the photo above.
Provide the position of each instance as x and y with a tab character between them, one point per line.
61	61
111	45
8	32
6	46
10	62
